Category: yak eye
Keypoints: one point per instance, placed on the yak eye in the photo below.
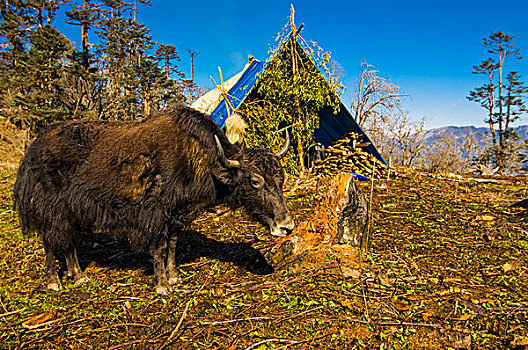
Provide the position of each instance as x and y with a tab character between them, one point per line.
256	181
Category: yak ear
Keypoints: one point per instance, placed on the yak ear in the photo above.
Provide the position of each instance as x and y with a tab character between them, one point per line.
227	176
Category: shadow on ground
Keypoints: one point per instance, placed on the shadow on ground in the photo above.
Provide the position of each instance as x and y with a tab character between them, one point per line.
106	251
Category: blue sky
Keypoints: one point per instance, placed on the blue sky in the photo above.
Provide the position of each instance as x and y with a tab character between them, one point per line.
426	47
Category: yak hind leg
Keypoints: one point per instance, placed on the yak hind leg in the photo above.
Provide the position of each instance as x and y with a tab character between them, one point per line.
74	270
158	250
52	274
172	273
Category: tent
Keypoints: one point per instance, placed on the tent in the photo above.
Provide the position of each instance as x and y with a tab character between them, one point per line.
240	87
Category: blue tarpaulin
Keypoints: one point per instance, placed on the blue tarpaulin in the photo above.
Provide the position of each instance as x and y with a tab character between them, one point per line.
237	94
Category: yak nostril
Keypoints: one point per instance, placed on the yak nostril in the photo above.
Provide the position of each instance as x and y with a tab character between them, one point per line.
282	228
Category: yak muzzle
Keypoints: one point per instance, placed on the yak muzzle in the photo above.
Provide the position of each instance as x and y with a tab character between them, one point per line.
283	228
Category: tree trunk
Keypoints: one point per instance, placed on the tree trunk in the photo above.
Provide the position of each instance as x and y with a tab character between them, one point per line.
84	32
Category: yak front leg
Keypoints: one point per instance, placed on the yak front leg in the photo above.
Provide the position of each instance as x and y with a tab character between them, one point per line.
51	269
158	250
171	260
74	270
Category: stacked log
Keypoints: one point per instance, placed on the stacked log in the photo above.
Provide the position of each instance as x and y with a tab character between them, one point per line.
348	155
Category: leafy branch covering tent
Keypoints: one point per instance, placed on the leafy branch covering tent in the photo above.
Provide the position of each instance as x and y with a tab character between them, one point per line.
243	88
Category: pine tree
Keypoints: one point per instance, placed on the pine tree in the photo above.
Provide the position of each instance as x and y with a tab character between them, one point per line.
500	45
171	87
44	80
485	95
33	59
503	101
42	92
514	100
85	16
166	55
84	79
114	63
45	10
16	22
135	83
15	25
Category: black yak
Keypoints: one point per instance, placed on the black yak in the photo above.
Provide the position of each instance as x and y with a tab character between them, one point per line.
143	180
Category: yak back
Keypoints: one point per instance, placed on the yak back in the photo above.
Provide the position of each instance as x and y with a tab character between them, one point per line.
172	147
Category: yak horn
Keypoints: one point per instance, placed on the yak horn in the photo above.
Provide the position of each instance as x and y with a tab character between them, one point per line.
226	163
284	150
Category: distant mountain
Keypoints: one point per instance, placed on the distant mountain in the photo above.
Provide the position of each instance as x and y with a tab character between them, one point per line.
459	133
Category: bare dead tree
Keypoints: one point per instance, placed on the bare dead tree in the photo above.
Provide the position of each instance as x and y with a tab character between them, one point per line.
444	156
398	137
376	97
336	70
193	54
451	154
470	149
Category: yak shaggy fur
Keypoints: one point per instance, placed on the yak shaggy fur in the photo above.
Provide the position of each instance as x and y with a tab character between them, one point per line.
144	181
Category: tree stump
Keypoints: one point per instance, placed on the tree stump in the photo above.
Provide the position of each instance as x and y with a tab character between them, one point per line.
352	227
341	217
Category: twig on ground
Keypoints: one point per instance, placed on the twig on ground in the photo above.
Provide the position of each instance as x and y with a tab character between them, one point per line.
297	315
172	336
12	312
276	340
215	323
390	323
139	341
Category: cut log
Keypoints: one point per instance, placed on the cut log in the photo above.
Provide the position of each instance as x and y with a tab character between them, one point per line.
348	155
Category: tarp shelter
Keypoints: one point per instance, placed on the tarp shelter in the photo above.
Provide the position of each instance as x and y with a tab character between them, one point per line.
238	88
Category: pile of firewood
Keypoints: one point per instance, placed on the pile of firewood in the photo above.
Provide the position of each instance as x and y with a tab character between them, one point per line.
347	155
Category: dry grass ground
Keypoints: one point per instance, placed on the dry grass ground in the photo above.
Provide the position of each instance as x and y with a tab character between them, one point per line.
448	268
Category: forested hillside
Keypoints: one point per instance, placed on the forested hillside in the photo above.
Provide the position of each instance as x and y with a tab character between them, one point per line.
117	71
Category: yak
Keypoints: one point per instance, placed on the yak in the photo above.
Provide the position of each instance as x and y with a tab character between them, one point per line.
145	181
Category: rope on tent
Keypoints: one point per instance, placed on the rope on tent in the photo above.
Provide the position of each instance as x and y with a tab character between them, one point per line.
234	124
224	93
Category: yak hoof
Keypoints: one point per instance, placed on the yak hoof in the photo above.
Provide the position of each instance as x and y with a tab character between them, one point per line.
83	279
174	280
54	286
163	290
